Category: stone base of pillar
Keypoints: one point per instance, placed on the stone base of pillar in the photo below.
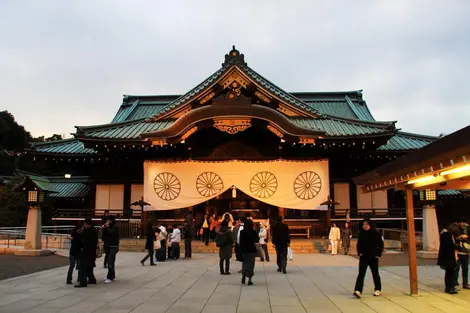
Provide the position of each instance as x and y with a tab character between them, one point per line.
423	254
33	252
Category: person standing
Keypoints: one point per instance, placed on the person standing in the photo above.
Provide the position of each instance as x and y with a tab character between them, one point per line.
149	245
335	236
89	244
347	235
214	225
104	218
112	234
161	255
74	252
188	236
224	240
205	230
175	242
263	242
370	247
235	232
281	241
248	239
463	256
448	257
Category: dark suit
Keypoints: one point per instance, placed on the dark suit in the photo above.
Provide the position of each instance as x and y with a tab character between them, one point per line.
281	240
89	243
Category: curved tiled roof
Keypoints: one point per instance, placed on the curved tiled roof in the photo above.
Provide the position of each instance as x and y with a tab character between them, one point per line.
342	127
406	141
66	146
122	131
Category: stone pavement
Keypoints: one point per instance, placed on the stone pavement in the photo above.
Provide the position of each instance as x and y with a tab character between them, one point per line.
314	283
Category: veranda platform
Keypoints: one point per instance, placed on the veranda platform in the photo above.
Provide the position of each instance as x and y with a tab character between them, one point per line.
314	283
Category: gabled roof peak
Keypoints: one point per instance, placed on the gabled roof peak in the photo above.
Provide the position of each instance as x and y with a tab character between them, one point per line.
234	58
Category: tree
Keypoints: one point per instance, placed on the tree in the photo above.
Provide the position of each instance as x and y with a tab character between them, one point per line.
13	205
13	137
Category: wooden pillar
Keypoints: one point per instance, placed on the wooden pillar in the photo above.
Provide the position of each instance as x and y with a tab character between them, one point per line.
282	213
144	220
410	221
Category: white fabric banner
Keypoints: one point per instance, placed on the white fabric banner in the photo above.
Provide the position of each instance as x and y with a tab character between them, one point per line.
282	183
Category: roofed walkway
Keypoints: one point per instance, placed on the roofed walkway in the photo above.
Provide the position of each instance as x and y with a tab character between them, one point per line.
314	283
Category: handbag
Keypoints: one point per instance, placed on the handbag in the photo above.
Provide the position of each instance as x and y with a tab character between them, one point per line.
290	253
99	253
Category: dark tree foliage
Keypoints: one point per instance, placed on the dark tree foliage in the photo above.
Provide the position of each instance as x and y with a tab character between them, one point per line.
13	206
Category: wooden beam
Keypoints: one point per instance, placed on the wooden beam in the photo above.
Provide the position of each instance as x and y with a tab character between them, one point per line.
410	221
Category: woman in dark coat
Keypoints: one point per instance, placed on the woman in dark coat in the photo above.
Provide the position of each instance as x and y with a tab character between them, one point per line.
248	239
448	257
224	240
149	245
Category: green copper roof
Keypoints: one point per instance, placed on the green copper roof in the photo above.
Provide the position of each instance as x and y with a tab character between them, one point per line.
122	131
70	188
339	127
66	146
139	110
405	141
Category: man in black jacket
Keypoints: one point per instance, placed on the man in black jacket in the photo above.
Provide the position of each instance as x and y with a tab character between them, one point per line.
281	240
111	232
87	256
369	248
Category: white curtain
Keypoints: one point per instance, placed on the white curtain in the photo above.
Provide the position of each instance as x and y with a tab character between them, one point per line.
282	183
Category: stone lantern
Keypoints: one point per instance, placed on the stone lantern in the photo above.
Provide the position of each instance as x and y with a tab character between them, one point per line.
35	190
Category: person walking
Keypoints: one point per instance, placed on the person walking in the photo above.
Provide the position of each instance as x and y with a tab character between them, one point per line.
370	247
281	241
263	242
205	230
248	239
112	234
149	245
335	236
224	240
74	252
448	257
188	236
463	254
347	235
175	242
87	258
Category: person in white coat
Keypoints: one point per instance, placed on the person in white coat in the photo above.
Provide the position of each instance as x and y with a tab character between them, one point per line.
335	236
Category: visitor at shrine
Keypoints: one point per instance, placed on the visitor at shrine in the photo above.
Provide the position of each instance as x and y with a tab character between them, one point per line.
263	241
175	242
335	236
205	230
104	218
74	252
347	235
224	240
214	226
161	253
87	256
370	247
111	232
281	241
229	218
463	255
188	237
157	245
248	239
149	242
235	232
448	257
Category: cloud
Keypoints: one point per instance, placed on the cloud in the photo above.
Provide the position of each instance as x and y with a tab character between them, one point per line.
66	63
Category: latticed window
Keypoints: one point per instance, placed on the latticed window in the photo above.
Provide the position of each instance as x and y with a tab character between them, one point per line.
33	196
